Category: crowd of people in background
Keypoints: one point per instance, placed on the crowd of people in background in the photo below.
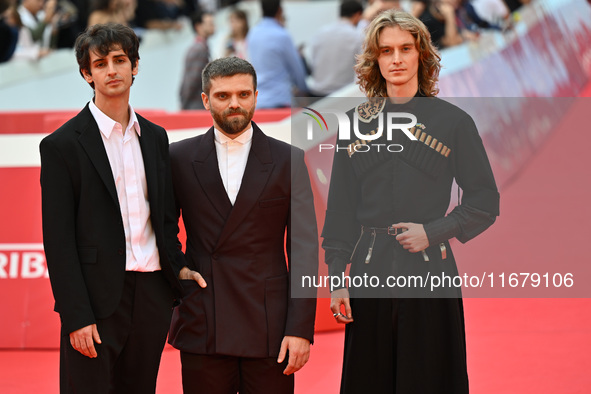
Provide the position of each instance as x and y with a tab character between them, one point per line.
31	29
283	69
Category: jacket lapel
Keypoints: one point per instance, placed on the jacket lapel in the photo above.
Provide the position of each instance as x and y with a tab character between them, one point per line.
148	146
256	174
92	143
205	165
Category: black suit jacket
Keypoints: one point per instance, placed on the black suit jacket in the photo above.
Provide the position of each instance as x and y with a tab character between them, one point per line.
83	234
246	308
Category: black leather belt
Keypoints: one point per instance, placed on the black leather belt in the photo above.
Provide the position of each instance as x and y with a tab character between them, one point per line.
383	230
373	231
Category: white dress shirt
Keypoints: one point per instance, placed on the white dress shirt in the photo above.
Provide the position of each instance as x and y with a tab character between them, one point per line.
31	22
232	157
127	164
340	40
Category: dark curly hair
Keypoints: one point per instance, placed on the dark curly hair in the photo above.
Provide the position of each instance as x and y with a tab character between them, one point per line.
103	38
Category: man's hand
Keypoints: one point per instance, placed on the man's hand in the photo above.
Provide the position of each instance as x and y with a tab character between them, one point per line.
82	340
299	353
188	274
447	10
372	10
337	298
50	9
414	239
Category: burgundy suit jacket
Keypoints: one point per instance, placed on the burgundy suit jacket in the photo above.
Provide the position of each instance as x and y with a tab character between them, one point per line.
247	307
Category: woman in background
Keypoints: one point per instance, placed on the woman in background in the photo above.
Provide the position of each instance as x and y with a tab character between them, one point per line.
236	44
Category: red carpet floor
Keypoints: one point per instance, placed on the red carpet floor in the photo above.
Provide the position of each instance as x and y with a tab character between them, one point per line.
514	345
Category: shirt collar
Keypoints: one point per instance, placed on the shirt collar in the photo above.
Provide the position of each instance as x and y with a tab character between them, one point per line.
198	38
242	139
270	21
106	124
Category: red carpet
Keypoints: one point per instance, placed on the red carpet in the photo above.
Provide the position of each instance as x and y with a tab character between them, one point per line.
514	345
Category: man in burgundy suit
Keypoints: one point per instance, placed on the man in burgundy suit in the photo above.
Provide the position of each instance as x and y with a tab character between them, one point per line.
241	326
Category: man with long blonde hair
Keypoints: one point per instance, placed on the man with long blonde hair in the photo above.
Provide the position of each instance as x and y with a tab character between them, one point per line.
386	216
372	81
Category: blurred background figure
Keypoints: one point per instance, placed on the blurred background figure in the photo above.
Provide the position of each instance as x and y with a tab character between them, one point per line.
116	11
440	19
159	14
197	58
494	13
52	23
38	17
279	66
514	5
236	43
417	7
374	7
8	32
26	48
341	40
66	24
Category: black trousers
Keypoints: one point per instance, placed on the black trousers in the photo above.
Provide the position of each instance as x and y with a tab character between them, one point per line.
217	374
405	346
133	338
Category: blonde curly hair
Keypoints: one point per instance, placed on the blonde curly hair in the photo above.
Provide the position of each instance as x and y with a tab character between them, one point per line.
367	68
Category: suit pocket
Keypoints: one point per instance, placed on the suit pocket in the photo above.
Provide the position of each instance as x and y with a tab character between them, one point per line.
87	255
189	287
273	202
188	329
276	309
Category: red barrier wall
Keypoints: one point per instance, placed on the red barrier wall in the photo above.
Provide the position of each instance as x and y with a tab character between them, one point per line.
28	320
44	122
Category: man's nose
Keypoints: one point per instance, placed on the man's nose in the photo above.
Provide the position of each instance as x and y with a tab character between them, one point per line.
234	102
111	68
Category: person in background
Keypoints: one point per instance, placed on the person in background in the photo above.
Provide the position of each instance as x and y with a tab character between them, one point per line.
115	11
440	18
417	7
40	17
53	23
195	61
514	5
159	14
495	13
236	43
279	66
9	31
373	8
341	40
26	47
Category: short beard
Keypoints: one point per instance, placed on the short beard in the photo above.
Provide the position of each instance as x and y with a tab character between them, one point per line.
234	125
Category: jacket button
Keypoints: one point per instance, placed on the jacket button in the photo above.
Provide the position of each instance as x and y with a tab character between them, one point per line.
120	252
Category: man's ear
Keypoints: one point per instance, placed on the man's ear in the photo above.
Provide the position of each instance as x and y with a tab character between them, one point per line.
205	100
87	76
135	68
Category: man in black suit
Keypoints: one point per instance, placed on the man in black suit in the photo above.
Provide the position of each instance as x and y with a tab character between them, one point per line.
239	328
109	227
